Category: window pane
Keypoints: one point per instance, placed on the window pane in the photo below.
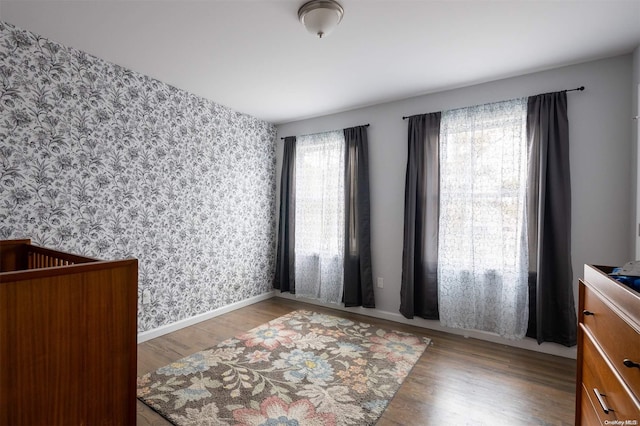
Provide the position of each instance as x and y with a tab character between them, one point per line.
482	268
320	215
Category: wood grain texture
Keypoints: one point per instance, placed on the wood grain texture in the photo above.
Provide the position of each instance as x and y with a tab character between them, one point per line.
616	338
456	381
13	255
596	374
68	344
608	333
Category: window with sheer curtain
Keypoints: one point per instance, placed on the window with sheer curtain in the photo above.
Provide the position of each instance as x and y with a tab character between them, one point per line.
483	252
319	213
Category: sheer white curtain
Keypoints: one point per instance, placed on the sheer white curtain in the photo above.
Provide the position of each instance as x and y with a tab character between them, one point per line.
483	253
319	238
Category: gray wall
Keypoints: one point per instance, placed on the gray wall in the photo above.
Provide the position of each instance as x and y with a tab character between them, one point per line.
600	162
635	137
99	160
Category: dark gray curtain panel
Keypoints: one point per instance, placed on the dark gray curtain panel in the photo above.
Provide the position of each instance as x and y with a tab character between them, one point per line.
358	280
419	291
284	279
552	315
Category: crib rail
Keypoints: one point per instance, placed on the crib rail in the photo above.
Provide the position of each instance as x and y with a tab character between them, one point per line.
40	257
20	255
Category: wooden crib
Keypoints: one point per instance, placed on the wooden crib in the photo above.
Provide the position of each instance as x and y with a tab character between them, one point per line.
68	329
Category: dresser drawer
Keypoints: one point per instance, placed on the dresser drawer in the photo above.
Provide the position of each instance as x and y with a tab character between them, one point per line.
616	338
597	376
589	415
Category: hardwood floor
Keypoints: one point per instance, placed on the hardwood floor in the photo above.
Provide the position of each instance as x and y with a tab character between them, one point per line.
458	380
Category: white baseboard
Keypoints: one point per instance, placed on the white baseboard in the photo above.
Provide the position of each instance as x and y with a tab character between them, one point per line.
165	329
526	343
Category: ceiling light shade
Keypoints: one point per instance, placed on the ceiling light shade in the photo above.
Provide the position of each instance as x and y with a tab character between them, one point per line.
320	17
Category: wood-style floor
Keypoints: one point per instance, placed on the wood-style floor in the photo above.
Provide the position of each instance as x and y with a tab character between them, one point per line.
458	381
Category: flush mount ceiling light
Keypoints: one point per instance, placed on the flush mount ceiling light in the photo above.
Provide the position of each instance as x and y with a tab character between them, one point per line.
320	17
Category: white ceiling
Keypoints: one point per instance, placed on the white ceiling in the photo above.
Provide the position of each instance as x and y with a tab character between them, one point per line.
255	57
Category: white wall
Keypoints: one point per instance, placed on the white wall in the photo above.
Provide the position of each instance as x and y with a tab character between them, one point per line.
600	166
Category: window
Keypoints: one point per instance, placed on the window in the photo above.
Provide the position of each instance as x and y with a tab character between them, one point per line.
483	252
325	179
319	237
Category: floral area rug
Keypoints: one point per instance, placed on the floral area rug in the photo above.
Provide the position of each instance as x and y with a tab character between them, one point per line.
303	368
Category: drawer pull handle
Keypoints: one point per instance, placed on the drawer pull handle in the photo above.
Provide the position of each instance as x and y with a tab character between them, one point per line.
585	312
601	401
630	364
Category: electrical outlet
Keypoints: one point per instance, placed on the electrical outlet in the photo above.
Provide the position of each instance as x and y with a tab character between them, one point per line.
380	282
146	297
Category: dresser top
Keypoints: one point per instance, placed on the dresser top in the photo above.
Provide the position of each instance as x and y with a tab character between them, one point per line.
621	298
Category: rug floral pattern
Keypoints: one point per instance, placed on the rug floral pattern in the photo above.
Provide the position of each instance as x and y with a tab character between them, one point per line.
303	368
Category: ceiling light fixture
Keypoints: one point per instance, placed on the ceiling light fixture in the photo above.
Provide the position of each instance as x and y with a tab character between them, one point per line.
320	17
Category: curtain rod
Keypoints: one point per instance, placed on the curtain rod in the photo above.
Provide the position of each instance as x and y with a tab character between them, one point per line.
365	125
580	89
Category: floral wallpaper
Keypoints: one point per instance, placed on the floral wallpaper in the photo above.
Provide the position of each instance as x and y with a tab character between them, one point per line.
102	161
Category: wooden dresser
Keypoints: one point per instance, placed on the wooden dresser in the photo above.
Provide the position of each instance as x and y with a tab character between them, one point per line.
608	381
